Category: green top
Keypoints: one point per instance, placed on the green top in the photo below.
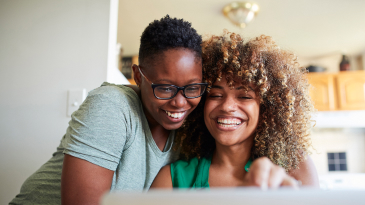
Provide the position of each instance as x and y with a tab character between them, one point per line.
193	173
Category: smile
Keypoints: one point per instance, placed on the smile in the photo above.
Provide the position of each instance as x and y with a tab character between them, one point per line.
229	122
175	115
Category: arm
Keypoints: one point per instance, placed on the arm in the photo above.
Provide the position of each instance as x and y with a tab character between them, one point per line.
163	179
263	173
93	145
306	173
83	182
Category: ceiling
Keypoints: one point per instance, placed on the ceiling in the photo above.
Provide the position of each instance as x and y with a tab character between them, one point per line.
309	28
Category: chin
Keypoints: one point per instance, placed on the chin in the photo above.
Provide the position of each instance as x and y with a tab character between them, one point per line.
173	126
226	141
230	140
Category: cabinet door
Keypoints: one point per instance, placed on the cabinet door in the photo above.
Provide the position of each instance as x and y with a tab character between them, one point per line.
351	90
322	91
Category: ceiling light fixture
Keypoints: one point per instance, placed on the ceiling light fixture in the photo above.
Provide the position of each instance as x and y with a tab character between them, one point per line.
240	13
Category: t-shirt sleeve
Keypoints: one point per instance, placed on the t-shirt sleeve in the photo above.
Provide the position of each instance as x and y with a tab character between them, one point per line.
98	131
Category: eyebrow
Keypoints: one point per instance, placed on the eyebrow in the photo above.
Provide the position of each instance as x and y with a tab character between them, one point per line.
217	87
241	87
166	81
238	88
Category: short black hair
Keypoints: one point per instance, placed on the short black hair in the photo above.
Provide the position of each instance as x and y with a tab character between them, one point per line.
168	33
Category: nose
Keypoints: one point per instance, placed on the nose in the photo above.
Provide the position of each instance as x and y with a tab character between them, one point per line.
229	104
179	100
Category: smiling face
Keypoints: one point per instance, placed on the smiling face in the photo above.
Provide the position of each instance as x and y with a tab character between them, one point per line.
231	115
178	67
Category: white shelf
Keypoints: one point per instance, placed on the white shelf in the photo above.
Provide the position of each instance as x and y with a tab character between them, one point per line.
340	119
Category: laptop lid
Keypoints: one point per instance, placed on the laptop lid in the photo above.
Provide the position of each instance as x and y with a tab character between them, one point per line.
235	196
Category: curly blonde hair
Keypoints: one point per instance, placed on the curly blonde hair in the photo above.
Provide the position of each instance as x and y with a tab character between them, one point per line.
282	133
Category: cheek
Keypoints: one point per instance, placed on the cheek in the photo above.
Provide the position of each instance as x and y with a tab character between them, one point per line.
208	108
255	112
151	102
147	93
207	119
206	116
194	102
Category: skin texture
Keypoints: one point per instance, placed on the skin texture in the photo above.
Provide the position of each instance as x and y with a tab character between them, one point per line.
236	105
177	67
307	173
83	182
231	104
227	169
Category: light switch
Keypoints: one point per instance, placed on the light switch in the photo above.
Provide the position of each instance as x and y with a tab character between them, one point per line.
75	98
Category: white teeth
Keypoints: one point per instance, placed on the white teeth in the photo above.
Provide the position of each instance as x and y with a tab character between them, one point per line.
223	125
174	115
229	122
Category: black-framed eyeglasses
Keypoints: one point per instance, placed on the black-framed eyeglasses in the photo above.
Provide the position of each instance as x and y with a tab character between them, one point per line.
168	91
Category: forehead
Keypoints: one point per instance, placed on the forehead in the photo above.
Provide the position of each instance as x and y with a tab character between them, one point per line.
175	65
171	58
237	84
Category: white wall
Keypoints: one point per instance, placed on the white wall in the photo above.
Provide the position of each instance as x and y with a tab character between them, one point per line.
47	47
349	140
332	62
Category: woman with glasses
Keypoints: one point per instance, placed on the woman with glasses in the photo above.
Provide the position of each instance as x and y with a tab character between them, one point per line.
121	136
254	120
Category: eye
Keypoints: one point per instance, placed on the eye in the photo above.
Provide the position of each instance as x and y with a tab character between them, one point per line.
192	89
165	89
215	95
245	97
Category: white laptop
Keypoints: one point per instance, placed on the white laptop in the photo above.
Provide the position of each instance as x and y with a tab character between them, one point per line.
235	196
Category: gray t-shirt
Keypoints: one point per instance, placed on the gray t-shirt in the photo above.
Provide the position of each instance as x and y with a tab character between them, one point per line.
111	131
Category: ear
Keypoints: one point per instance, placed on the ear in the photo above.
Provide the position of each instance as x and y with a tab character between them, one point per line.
136	74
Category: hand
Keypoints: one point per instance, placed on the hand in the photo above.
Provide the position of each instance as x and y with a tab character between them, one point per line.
263	173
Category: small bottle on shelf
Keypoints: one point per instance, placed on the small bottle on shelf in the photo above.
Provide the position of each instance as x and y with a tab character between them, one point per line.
345	63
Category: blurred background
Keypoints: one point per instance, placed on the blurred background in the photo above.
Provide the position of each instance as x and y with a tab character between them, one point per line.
53	52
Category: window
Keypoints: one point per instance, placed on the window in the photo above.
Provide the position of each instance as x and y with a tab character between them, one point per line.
337	161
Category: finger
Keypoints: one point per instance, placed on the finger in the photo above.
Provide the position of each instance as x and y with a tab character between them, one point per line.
259	173
290	182
277	175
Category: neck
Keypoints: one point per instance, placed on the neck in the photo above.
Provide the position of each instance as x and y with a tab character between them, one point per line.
159	133
228	164
160	136
233	157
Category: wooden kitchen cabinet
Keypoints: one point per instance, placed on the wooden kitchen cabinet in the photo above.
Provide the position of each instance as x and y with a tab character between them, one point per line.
322	91
351	90
338	91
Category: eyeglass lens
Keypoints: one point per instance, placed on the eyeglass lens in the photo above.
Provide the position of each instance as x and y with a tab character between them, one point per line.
168	91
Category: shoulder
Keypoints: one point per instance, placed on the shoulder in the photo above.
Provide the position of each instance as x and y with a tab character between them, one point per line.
180	174
185	173
115	93
163	178
306	173
120	98
109	100
185	165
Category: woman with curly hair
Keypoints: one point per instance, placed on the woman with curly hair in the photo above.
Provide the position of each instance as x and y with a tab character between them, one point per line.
256	110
